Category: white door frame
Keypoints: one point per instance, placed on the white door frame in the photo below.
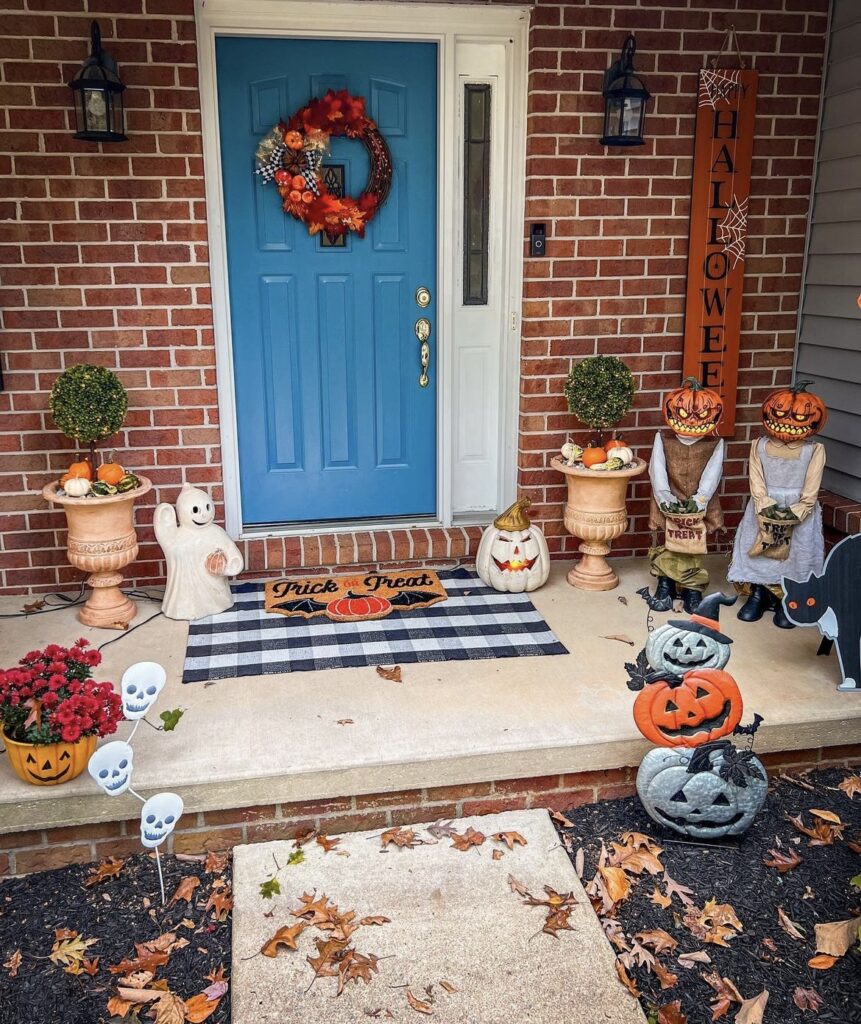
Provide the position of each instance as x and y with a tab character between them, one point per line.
448	25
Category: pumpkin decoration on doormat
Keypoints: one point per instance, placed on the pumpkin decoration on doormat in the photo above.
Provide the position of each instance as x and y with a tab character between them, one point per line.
292	153
708	792
354	598
512	555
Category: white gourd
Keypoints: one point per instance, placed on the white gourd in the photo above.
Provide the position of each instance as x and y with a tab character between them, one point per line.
77	487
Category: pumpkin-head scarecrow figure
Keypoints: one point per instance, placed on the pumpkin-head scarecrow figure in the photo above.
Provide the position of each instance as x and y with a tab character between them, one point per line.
686	698
781	531
685	470
512	556
705	792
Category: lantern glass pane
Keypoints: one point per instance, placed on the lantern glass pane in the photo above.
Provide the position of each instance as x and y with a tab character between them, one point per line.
631	112
96	110
613	117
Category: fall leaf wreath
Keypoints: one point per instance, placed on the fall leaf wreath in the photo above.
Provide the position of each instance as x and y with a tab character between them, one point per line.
291	155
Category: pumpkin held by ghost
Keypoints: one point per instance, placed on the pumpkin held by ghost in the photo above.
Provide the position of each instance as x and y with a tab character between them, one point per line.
512	556
692	410
701	707
793	413
712	791
678	646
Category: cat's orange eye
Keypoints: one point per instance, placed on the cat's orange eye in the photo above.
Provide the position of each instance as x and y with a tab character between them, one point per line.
792	604
811	601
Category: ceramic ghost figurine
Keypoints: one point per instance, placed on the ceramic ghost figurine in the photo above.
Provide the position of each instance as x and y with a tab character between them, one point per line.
139	688
159	816
111	767
200	557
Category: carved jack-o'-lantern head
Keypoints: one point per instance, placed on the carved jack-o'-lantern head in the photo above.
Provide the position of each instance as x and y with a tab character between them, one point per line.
713	791
794	413
705	705
692	410
512	556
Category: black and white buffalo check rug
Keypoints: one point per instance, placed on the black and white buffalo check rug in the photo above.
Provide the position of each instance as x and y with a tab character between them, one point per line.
475	622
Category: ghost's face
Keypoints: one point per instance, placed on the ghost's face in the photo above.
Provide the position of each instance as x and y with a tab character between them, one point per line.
194	507
159	816
111	767
141	684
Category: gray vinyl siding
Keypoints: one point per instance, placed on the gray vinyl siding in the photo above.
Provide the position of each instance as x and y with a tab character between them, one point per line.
829	338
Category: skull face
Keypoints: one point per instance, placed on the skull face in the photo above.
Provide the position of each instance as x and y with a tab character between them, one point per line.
703	804
678	650
111	767
141	684
159	816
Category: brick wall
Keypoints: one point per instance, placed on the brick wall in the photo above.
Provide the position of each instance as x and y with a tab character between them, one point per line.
201	831
105	255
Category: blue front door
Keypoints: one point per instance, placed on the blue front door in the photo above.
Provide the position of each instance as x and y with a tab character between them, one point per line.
332	421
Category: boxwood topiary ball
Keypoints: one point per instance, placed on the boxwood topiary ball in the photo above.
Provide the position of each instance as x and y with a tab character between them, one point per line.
88	403
600	391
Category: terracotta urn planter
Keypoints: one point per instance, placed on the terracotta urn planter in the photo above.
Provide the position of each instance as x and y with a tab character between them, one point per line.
49	764
595	512
102	541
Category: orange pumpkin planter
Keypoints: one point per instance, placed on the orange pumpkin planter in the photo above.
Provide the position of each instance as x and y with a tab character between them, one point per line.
793	413
49	764
705	706
692	410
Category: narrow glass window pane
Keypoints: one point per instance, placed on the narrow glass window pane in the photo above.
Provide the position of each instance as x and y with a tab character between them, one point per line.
476	198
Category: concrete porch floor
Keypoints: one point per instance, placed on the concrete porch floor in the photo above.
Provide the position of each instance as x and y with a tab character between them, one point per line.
277	738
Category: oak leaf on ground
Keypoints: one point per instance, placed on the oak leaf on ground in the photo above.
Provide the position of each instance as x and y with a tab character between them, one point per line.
851	785
674	888
822	962
657	939
70	950
672	1013
466	840
199	1008
185	890
725	994
417	1004
393	674
283	937
327	843
220	903
13	963
782	861
807	999
789	926
109	868
509	838
405	838
626	979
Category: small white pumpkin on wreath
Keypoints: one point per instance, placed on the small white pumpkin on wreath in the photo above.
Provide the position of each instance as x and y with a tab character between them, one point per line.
512	555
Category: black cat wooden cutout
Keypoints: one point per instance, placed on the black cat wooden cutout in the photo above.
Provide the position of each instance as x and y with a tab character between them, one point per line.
833	603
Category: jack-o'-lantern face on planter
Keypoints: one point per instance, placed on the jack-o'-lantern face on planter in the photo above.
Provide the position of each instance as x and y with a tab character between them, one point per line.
794	413
692	410
705	793
49	764
703	707
512	556
677	649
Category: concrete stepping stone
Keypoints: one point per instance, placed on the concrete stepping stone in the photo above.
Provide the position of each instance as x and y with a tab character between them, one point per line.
453	918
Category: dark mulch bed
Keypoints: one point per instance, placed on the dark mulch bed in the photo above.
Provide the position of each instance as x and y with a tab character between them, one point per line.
734	873
119	912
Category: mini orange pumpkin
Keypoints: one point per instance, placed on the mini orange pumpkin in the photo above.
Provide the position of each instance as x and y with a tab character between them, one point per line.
594	456
80	469
615	442
111	473
794	413
293	140
706	705
692	410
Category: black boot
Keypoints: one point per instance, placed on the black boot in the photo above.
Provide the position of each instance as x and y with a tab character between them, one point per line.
665	590
780	619
756	605
691	599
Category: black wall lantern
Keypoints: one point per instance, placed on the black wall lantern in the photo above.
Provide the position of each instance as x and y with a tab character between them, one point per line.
98	95
625	98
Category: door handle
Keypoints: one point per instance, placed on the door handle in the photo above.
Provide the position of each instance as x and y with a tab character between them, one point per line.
423	333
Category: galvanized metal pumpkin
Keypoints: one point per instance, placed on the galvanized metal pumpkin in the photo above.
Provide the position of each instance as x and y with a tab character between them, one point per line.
678	646
707	792
512	555
703	706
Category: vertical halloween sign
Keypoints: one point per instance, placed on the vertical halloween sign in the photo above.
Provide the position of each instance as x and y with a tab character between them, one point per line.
723	148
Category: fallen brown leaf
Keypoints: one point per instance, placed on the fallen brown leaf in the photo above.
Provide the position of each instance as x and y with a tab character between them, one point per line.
118	1007
751	1010
170	1009
725	994
185	890
782	861
698	956
626	979
13	963
659	899
807	999
215	863
835	937
345	721
656	939
497	855
509	838
70	949
303	836
402	837
375	919
467	840
447	985
621	637
674	888
283	937
665	976
672	1013
392	674
560	819
822	962
851	785
199	1008
417	1004
617	882
220	903
326	843
107	869
828	816
789	926
33	606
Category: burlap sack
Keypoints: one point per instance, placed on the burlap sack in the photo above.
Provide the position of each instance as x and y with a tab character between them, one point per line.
773	539
685	532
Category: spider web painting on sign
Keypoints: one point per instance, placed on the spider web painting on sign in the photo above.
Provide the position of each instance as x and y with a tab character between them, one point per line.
732	230
717	84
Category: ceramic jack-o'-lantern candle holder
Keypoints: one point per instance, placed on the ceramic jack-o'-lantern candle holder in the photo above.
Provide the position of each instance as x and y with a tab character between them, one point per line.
512	555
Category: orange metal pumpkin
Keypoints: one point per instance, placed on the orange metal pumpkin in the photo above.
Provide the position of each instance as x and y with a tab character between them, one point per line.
794	413
706	705
358	606
692	410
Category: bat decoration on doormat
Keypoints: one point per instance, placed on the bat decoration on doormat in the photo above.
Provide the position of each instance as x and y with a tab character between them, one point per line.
410	598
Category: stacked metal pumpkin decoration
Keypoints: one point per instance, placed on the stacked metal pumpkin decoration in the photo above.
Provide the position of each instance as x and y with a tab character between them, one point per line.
695	781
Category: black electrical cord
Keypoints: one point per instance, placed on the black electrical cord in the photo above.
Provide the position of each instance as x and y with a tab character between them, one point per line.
71	602
126	632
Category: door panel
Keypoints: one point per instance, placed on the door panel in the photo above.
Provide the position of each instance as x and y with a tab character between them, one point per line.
332	422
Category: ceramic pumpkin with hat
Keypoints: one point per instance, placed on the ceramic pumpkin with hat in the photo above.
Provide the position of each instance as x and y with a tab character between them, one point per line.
512	555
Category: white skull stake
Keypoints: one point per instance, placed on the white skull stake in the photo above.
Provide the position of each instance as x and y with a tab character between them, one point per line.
512	556
111	767
159	816
141	684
